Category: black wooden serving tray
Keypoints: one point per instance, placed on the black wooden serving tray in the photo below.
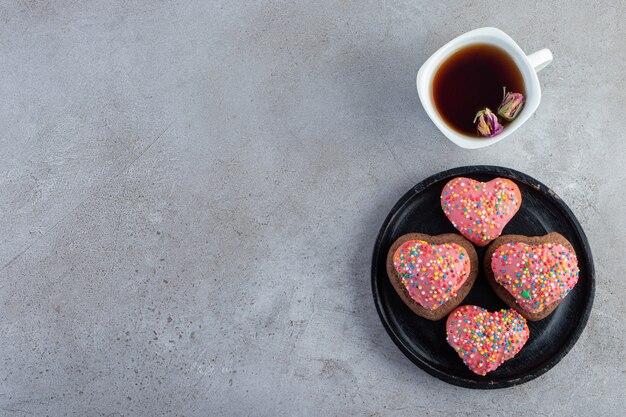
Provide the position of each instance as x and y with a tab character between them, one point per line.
424	341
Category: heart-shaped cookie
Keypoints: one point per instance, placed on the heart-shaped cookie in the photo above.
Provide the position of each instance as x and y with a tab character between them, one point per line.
480	210
532	274
485	340
432	274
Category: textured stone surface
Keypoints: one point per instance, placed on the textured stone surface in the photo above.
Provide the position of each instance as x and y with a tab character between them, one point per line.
190	192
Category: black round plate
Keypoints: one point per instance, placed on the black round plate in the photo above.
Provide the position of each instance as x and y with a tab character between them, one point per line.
424	341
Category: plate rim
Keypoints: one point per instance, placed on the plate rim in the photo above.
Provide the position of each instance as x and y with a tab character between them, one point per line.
517	176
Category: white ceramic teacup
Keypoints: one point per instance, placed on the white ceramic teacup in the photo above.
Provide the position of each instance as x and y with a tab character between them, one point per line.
528	65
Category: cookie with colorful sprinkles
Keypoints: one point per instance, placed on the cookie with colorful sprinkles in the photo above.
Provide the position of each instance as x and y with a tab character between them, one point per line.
432	274
531	274
484	340
480	210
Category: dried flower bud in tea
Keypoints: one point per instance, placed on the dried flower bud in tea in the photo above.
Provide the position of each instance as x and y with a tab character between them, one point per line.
511	105
488	124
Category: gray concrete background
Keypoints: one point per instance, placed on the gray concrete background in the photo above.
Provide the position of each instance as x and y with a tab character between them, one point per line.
190	193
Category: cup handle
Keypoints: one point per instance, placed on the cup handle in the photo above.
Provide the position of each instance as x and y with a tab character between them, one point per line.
540	59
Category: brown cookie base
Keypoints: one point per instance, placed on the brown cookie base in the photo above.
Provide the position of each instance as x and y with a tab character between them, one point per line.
501	291
444	309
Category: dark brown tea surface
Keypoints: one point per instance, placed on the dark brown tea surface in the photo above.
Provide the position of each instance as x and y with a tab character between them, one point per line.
470	80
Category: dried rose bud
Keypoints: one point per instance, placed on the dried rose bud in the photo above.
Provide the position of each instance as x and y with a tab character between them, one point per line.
488	124
511	105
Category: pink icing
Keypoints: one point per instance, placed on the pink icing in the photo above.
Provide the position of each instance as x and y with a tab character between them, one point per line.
536	275
431	273
485	340
480	210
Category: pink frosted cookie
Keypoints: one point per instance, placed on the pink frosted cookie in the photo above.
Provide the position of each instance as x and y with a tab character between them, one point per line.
532	274
485	340
480	210
432	274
